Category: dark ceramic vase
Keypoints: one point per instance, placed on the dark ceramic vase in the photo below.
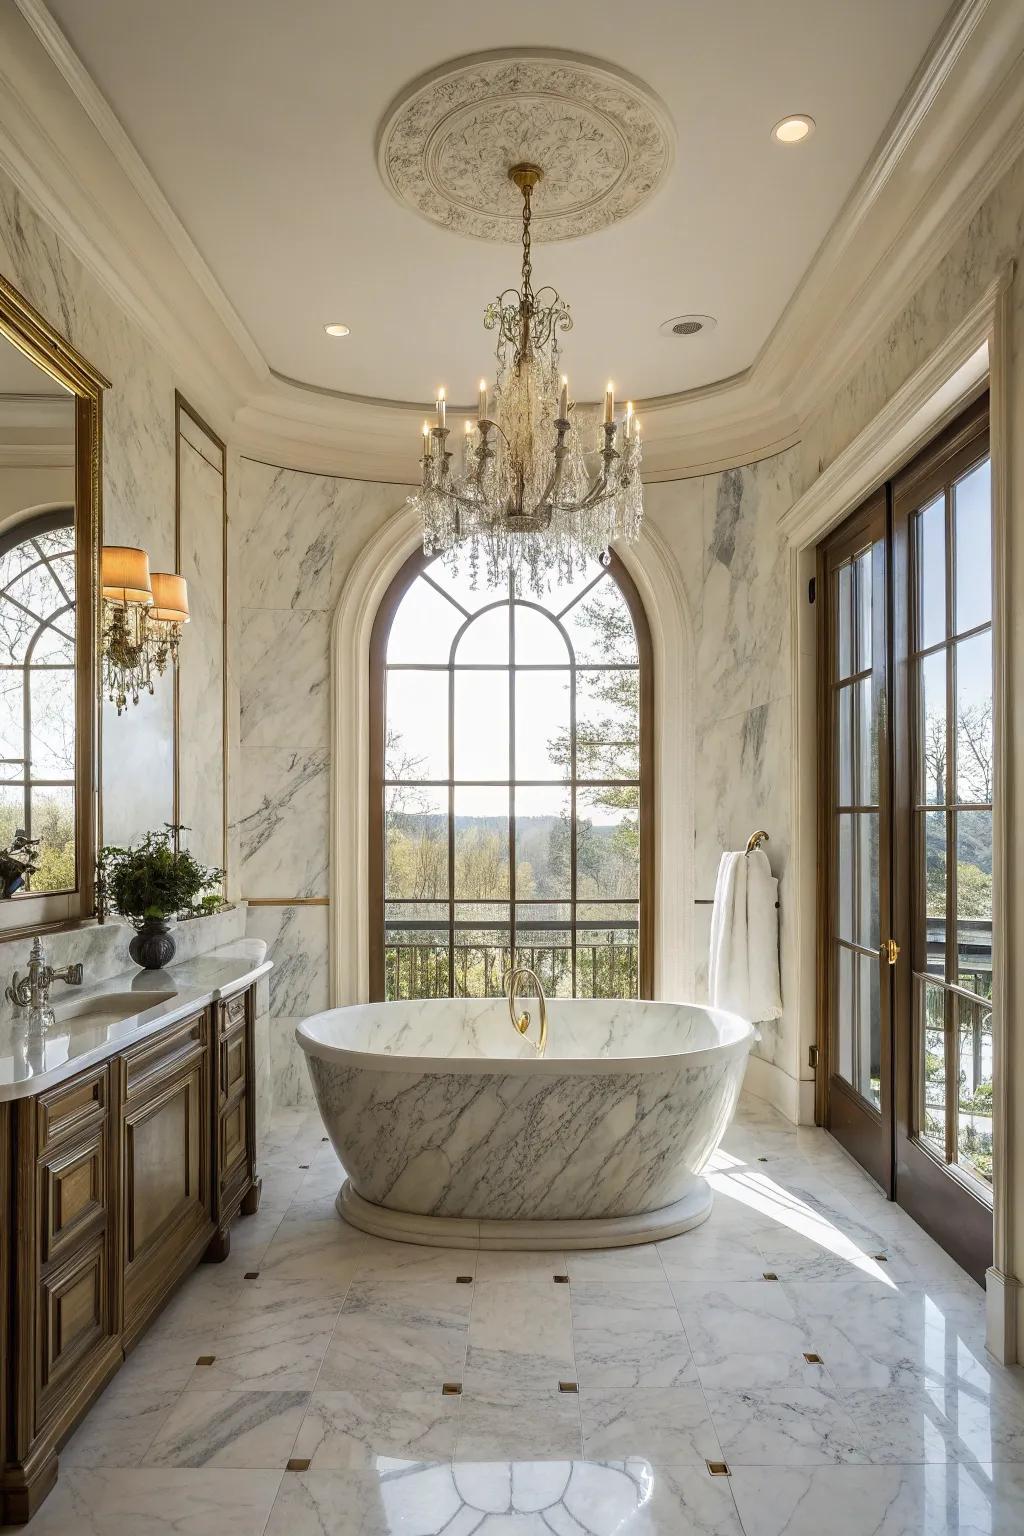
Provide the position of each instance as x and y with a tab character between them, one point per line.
153	945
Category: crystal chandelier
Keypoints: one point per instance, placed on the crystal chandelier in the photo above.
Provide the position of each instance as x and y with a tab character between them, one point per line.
525	496
143	616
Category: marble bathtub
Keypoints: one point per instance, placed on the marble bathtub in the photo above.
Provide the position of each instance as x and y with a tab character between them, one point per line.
453	1132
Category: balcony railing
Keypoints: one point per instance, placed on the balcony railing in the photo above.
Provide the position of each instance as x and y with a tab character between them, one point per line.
609	968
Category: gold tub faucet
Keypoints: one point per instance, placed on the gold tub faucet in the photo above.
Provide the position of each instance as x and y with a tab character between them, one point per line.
512	984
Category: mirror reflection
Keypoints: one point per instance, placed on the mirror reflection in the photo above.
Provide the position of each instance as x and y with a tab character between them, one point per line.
37	629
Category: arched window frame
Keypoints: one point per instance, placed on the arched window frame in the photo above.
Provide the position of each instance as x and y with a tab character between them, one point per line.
616	571
28	531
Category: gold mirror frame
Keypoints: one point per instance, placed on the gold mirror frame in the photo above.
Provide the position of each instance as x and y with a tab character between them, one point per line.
26	329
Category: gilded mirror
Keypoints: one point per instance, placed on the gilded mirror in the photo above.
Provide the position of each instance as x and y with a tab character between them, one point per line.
49	535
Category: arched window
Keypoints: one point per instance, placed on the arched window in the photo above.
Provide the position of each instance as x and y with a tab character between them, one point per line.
37	693
510	785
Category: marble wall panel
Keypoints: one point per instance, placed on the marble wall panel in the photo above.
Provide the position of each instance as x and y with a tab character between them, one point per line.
297	942
201	660
285	700
284	834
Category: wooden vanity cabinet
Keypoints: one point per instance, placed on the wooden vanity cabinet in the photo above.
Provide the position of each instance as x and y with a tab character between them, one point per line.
114	1185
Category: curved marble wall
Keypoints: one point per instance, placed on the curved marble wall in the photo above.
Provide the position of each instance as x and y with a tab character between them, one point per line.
298	536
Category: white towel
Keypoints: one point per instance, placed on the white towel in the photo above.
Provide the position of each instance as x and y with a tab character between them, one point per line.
744	968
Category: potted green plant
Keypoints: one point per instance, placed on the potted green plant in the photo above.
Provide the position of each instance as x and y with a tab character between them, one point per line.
150	883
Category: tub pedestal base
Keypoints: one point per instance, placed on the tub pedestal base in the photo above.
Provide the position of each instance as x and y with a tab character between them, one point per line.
466	1232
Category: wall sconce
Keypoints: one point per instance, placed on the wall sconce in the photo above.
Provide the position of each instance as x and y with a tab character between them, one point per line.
143	616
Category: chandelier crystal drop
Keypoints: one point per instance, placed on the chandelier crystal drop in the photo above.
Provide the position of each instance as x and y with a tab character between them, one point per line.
537	490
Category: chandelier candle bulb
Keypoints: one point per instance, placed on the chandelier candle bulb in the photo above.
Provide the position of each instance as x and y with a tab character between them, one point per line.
563	399
609	404
440	408
629	420
481	406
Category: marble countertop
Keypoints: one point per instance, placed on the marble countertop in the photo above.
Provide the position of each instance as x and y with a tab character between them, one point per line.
31	1062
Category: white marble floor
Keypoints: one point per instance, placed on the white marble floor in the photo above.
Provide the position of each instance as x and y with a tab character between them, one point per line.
330	1351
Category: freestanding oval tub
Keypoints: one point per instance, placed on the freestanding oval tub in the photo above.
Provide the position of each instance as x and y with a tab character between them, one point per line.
453	1132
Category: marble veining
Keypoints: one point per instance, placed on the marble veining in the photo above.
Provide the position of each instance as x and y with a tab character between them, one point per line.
440	1109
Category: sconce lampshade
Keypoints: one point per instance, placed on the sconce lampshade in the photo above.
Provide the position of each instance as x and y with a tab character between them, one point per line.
124	574
170	598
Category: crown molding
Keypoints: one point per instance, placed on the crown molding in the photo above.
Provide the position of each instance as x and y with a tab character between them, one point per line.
956	131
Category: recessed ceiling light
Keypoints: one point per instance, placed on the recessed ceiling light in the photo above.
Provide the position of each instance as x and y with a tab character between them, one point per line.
793	130
336	330
681	326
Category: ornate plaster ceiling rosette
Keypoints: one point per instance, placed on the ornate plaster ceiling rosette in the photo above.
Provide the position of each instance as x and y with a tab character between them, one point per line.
603	140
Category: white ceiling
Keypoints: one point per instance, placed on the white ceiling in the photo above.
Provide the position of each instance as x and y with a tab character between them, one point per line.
258	117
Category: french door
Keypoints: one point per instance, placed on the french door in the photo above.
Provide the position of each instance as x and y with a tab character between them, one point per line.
906	795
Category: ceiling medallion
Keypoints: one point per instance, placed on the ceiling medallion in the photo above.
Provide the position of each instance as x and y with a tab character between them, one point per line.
526	497
446	143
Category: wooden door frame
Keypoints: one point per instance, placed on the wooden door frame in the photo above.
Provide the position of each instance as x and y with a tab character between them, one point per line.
924	1182
872	512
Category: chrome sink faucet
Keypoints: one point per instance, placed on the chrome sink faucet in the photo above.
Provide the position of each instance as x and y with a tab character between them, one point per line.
33	990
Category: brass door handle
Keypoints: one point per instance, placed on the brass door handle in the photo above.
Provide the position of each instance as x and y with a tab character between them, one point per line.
889	950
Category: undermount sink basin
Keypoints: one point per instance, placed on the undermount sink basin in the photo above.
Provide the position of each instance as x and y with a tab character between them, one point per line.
110	1007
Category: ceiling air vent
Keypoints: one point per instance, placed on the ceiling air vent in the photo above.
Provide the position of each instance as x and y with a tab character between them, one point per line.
687	325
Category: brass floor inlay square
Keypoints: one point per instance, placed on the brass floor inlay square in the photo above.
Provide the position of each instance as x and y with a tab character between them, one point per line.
880	1258
568	1386
560	1279
463	1279
812	1359
762	1159
251	1274
297	1464
719	1469
303	1165
206	1359
769	1275
451	1389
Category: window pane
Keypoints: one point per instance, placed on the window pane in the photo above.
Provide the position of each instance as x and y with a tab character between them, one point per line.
485	640
12	812
542	725
543	844
869	1030
844	745
53	724
415	950
545	945
862	599
465	581
482	956
931	573
844	878
607	725
562	596
607	961
974	718
415	842
844	620
974	900
16	631
12	726
539	641
974	1116
55	643
481	844
931	1000
844	1013
601	628
424	626
481	725
972	504
607	842
867	871
417	726
934	829
53	822
866	787
932	728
